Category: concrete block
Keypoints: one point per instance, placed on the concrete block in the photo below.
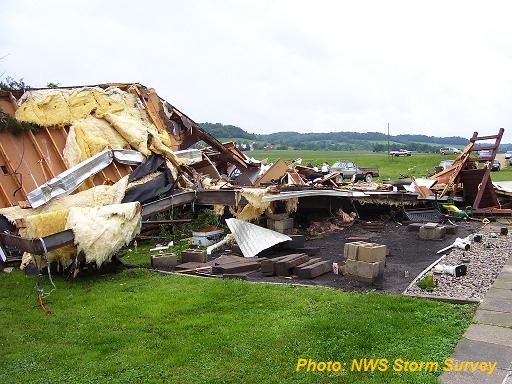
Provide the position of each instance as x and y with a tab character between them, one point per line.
429	232
166	260
288	231
350	250
194	255
280	225
371	253
278	216
315	270
364	269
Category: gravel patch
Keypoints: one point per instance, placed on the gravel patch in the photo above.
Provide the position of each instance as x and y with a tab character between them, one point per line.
484	262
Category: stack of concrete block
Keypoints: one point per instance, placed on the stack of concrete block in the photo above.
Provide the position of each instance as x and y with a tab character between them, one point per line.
432	231
365	261
284	226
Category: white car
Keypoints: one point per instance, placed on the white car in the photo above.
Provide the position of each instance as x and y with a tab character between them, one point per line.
449	151
400	152
508	154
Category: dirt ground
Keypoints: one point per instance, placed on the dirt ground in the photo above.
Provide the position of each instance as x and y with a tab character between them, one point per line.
408	256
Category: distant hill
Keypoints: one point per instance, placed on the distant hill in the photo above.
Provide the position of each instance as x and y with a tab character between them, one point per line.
374	141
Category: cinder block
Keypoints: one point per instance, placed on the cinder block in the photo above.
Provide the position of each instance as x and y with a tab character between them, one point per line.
280	225
371	253
364	269
167	260
432	232
194	255
350	250
277	216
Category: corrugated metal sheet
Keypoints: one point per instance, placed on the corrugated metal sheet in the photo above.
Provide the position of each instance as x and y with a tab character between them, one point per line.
29	160
252	239
316	192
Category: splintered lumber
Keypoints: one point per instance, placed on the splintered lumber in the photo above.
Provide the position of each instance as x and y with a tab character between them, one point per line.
314	260
284	267
268	265
236	267
314	270
192	267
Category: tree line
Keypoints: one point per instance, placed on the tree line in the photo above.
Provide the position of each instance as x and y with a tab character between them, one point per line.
335	141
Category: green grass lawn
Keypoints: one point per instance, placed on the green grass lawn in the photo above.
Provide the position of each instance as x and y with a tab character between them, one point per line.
417	165
139	326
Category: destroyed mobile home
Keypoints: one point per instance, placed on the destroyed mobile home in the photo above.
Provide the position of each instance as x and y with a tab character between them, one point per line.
85	169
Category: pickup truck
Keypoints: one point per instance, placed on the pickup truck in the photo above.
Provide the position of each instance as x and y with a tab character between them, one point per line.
400	152
348	169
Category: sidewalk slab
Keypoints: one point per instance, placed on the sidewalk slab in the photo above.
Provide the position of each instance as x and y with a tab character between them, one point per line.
499	293
470	350
506	275
490	339
497	377
500	319
502	284
496	304
490	334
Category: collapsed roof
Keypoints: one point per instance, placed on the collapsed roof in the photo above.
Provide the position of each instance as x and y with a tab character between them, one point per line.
121	153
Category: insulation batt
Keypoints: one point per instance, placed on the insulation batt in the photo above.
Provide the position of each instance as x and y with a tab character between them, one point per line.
51	218
93	197
100	232
54	107
255	205
90	136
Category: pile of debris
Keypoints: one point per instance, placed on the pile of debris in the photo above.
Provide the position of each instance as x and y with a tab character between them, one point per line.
85	169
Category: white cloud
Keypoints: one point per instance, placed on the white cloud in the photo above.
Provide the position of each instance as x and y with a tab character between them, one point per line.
438	68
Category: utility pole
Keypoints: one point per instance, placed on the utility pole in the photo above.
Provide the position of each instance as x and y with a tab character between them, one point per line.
388	138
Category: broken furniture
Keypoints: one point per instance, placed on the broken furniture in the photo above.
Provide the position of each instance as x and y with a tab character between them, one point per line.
464	175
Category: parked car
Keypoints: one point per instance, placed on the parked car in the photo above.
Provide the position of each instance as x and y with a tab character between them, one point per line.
348	169
496	165
484	152
508	154
449	151
400	152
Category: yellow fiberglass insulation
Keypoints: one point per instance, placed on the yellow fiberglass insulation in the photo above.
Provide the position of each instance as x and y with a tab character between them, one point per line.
93	197
291	205
89	136
45	224
142	135
255	205
102	231
131	129
53	107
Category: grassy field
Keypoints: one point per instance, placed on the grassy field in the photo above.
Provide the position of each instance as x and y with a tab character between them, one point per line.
139	326
417	165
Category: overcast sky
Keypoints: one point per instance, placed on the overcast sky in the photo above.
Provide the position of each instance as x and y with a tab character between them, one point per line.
439	68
